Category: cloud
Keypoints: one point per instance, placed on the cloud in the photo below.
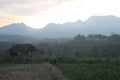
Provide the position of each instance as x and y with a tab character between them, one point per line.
55	10
27	7
16	10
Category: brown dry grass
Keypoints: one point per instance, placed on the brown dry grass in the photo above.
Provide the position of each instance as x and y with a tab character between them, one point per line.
43	71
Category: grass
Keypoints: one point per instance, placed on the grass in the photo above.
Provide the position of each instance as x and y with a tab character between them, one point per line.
90	71
8	65
78	68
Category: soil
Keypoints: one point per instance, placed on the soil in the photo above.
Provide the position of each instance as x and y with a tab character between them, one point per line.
43	71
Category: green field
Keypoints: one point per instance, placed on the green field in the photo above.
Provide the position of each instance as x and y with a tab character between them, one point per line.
86	71
77	68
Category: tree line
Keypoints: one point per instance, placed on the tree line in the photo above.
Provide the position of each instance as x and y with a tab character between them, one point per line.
93	45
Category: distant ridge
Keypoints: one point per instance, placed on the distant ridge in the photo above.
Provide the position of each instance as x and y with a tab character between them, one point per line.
16	29
94	25
16	38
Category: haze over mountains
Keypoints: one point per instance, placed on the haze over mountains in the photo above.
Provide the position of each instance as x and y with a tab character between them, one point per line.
94	25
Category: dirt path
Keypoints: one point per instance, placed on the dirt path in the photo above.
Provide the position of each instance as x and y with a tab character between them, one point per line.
43	71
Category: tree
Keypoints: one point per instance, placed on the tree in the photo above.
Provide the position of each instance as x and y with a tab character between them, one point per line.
96	37
114	37
79	37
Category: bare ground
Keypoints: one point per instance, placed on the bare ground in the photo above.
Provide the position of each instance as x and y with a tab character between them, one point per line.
43	71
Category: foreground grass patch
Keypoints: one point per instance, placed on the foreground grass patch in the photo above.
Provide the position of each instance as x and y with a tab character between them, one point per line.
8	65
90	71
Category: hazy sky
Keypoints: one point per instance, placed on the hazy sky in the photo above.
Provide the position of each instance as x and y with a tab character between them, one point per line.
38	13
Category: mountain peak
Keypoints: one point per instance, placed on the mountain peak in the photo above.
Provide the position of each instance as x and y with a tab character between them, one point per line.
15	28
94	25
102	18
16	25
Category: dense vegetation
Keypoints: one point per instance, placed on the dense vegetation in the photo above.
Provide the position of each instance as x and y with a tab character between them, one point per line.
90	71
92	57
81	68
96	45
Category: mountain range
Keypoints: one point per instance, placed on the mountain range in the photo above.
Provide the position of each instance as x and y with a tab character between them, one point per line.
94	25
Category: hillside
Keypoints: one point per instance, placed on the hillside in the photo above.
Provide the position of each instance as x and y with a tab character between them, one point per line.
16	29
94	25
42	71
16	38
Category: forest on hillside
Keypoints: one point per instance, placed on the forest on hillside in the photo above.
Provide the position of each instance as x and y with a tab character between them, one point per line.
92	57
93	45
